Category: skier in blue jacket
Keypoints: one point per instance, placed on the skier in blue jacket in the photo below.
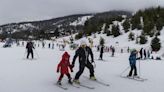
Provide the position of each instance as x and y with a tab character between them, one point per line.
132	61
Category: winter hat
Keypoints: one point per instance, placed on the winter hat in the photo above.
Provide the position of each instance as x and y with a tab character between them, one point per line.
84	41
66	55
133	50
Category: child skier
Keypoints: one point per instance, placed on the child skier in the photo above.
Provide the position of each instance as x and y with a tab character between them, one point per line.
63	68
132	61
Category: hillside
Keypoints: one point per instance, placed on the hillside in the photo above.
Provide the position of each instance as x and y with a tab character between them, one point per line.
57	27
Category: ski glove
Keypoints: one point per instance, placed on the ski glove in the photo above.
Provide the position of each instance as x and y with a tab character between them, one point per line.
72	66
94	64
92	61
57	71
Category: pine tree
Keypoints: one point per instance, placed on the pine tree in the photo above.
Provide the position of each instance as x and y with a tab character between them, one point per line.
155	44
108	33
136	23
79	35
131	36
126	25
115	30
143	39
102	41
148	28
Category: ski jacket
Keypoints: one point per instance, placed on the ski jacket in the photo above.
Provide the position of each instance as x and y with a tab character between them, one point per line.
29	46
102	49
64	64
132	58
83	54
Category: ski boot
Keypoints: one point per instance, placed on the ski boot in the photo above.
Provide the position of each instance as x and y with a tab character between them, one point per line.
135	76
93	78
70	82
76	81
59	83
128	76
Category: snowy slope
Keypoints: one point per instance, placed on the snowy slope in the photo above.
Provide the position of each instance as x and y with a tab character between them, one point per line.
20	75
80	20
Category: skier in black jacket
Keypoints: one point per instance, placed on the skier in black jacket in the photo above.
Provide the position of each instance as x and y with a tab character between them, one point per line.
141	53
83	53
30	48
101	52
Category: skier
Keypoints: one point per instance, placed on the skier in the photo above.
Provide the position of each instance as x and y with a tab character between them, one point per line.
98	48
52	45
101	52
22	43
128	49
63	68
113	50
132	61
141	51
121	50
30	48
49	45
43	44
83	53
148	54
145	55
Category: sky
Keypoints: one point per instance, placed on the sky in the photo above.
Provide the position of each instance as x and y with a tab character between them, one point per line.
31	10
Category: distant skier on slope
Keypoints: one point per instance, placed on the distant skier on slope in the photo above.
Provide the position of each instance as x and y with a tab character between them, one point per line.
132	62
113	50
63	68
30	48
83	53
141	53
101	52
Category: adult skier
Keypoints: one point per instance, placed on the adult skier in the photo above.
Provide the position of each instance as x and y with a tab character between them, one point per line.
145	54
101	52
132	62
83	53
30	48
113	51
141	53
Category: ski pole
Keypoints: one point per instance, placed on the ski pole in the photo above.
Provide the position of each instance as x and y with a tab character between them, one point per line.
24	54
36	53
125	70
94	65
139	69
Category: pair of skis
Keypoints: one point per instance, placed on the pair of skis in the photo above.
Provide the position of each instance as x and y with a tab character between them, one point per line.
85	86
98	81
134	78
75	85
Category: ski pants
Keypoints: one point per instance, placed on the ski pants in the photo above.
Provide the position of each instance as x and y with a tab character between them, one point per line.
101	55
82	67
30	52
61	76
133	67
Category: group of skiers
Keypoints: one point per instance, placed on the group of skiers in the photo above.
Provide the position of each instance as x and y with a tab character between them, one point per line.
83	53
144	54
101	49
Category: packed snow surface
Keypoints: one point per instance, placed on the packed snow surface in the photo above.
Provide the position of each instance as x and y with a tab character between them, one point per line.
39	75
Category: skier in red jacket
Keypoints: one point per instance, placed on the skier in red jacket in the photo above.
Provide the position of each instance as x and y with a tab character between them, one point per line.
63	68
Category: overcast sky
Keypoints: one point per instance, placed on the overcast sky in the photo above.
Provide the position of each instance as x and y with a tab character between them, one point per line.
27	10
